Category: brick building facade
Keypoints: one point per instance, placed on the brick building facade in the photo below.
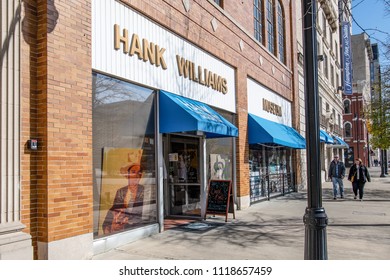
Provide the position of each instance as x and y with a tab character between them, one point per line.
356	132
54	40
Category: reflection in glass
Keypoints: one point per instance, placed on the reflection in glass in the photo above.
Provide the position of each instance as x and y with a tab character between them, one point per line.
270	171
123	156
220	154
184	180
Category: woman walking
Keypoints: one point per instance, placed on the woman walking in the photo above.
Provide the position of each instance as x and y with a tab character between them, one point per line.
358	175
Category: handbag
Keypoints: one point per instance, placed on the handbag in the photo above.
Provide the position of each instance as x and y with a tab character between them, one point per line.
353	177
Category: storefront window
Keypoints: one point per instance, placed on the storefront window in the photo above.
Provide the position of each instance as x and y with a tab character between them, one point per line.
220	154
270	171
124	164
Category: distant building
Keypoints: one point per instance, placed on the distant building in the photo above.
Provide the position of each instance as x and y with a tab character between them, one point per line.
331	20
355	126
376	93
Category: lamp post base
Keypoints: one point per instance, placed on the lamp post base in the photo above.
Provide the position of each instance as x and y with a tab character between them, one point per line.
315	221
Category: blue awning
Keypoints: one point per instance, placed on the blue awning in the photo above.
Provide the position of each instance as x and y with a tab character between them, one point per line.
339	142
181	114
325	137
262	131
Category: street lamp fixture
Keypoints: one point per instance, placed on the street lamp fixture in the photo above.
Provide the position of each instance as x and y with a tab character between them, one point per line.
315	218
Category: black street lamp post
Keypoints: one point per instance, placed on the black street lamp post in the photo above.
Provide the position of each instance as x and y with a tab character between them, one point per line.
315	218
383	159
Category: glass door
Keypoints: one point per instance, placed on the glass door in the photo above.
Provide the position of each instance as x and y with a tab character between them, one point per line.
184	186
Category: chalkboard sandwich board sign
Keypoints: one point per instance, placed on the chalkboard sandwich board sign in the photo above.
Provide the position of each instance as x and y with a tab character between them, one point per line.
220	198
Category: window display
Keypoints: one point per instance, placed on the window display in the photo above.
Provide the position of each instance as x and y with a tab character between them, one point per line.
220	154
270	171
123	156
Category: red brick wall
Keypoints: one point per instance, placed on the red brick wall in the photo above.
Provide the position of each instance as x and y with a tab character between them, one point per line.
359	129
234	25
57	98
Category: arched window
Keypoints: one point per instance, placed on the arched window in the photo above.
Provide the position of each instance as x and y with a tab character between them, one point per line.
347	106
281	40
270	26
348	130
258	19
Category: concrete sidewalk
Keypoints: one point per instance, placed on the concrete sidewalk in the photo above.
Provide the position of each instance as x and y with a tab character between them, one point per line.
274	230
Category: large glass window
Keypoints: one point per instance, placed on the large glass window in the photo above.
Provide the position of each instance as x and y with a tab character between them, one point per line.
319	51
332	76
270	171
326	66
270	26
219	152
324	25
347	106
124	163
258	19
348	130
281	33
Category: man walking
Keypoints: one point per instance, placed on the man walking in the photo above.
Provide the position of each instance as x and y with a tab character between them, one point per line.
337	174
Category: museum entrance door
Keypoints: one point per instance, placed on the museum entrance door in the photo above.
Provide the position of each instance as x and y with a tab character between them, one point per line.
183	187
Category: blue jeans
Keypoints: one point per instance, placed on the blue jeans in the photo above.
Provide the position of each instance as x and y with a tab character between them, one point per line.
337	181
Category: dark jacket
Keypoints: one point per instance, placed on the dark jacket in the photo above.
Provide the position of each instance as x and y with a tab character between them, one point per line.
332	169
364	175
120	217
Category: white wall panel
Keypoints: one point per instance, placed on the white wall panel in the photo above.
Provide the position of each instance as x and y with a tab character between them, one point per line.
105	14
256	94
10	113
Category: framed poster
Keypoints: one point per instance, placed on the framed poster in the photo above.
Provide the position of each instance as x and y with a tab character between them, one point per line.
121	196
218	167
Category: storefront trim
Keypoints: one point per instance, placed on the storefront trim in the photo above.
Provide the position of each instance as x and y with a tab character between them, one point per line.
105	244
77	247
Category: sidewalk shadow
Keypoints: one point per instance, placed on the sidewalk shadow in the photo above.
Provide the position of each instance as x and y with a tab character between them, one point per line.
359	225
281	232
370	194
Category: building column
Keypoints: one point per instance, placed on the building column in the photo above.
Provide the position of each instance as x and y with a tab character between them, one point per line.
242	146
63	123
14	244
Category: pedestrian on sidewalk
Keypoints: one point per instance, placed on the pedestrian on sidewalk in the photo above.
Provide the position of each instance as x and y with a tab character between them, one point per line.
336	174
358	175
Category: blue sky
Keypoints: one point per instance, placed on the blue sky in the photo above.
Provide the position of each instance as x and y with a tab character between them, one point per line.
371	16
